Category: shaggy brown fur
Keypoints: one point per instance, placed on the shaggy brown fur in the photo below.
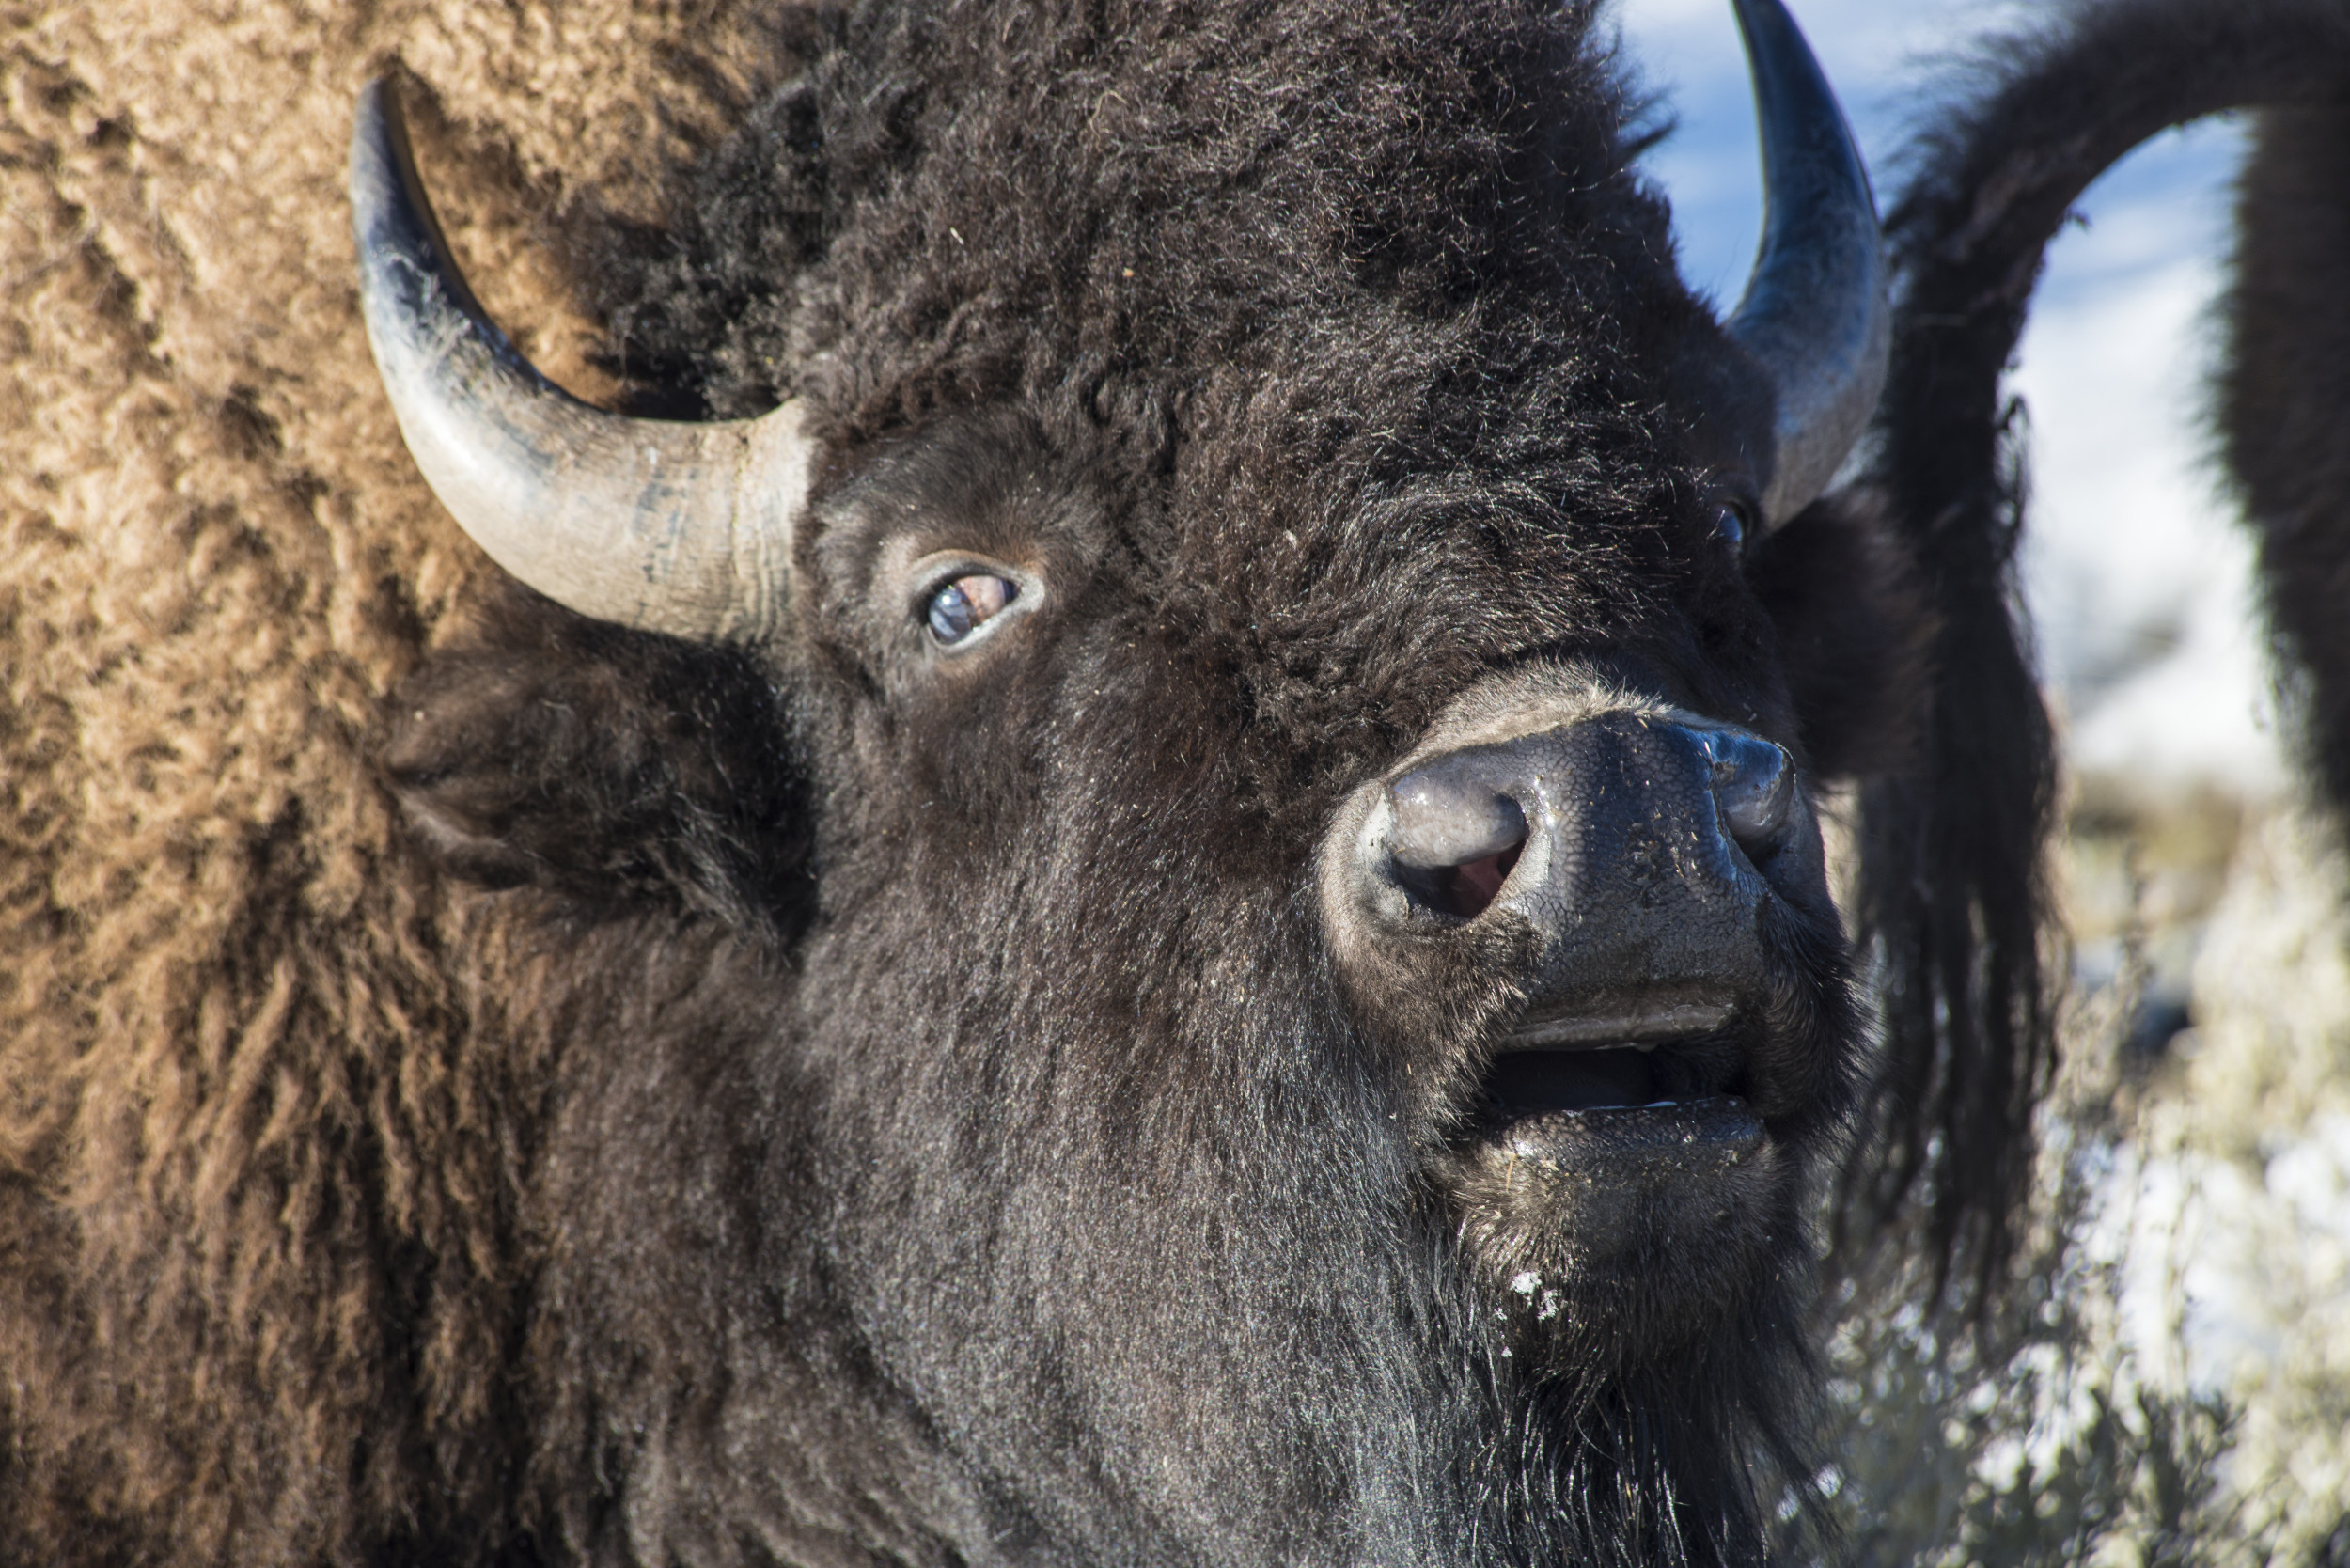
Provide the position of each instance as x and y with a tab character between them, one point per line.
259	1275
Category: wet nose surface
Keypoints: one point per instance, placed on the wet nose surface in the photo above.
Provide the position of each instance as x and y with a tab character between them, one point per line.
1632	845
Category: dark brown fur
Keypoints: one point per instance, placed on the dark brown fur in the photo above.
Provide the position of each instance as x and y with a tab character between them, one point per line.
2284	397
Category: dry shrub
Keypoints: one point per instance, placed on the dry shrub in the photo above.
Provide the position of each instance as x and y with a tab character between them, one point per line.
2167	1380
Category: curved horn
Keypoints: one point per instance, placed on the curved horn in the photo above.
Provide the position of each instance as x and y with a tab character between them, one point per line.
683	528
1814	313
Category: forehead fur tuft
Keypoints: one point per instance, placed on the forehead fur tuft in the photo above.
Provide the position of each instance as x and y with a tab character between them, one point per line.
1149	211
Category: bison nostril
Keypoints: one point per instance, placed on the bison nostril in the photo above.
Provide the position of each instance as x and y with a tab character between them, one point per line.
1467	891
1754	785
1455	838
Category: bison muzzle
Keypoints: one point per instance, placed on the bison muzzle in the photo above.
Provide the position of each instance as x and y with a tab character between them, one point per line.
1631	902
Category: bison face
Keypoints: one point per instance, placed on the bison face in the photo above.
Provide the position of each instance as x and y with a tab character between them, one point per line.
1191	927
1572	954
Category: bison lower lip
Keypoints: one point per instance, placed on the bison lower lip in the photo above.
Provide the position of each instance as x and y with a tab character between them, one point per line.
1684	1137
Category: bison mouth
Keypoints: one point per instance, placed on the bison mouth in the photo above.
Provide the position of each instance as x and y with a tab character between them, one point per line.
1609	1090
1616	1175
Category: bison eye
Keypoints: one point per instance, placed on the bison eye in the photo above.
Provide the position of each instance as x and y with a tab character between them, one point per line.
961	607
1730	521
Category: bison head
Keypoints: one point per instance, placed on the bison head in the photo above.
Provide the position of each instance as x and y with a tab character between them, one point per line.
1187	924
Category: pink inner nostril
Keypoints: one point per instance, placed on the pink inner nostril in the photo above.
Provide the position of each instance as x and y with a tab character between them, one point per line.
1467	891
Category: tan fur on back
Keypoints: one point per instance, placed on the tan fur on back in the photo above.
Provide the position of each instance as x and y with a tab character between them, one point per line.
222	1001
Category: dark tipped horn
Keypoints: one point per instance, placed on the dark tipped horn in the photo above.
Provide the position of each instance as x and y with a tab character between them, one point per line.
1816	313
684	528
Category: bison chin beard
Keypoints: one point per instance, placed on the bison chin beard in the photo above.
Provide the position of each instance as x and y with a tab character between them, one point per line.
1628	1243
1652	1461
1664	1374
1645	1273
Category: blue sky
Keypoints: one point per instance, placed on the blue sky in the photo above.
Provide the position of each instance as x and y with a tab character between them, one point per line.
2132	547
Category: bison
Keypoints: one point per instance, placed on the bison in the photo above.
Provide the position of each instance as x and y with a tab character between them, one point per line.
1133	873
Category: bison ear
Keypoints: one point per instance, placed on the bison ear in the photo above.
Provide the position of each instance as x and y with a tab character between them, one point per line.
613	768
1853	633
